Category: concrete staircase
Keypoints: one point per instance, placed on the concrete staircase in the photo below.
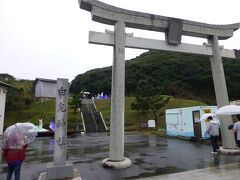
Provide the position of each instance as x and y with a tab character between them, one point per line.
92	119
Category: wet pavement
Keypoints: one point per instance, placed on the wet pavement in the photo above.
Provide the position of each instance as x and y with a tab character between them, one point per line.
222	172
150	155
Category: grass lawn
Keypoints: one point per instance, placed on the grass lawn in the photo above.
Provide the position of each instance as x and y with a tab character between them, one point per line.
33	112
132	118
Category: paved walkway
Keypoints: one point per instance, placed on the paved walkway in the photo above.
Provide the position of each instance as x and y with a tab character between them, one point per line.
151	156
223	172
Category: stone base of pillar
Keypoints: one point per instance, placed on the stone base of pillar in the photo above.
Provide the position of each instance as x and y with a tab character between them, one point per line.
229	151
107	163
60	172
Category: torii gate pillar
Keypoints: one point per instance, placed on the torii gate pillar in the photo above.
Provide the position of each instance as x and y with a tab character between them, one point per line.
116	158
221	93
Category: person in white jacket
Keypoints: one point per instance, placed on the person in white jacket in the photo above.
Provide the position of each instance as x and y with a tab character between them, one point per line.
213	131
236	128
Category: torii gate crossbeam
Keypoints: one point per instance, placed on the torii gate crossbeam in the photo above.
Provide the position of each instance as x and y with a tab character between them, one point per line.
144	43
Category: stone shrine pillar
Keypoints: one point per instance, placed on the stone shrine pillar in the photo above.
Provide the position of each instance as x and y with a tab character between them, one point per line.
116	158
220	87
60	169
60	135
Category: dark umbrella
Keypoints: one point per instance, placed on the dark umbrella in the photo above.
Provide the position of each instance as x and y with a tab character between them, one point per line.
230	126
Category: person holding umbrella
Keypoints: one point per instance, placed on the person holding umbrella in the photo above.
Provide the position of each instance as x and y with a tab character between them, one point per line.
15	142
14	158
213	131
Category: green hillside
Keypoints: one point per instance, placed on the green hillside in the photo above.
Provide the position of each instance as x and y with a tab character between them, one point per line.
180	75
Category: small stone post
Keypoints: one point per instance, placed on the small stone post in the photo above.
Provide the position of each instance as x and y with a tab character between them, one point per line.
221	93
117	159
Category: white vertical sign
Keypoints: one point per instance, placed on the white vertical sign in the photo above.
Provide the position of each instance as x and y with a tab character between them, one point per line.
60	135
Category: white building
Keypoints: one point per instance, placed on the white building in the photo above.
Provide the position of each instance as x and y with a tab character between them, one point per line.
45	87
184	122
3	92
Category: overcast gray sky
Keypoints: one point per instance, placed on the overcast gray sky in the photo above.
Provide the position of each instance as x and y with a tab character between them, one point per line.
49	38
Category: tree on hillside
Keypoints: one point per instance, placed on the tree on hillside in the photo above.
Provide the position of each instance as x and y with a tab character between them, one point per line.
6	77
15	99
149	99
75	102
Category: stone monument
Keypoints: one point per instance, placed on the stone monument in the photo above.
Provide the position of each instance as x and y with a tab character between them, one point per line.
60	168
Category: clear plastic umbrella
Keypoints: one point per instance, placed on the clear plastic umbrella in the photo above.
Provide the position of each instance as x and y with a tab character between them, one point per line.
17	135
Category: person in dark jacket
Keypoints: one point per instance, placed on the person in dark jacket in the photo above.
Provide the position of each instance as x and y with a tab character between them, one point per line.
14	158
236	129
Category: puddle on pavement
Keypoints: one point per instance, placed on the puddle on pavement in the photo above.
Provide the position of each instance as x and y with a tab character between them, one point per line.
83	161
144	154
158	171
145	144
138	161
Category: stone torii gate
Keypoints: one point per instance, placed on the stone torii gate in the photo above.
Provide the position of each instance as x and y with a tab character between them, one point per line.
173	29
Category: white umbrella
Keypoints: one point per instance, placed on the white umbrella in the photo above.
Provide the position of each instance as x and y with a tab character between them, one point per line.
228	110
205	116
